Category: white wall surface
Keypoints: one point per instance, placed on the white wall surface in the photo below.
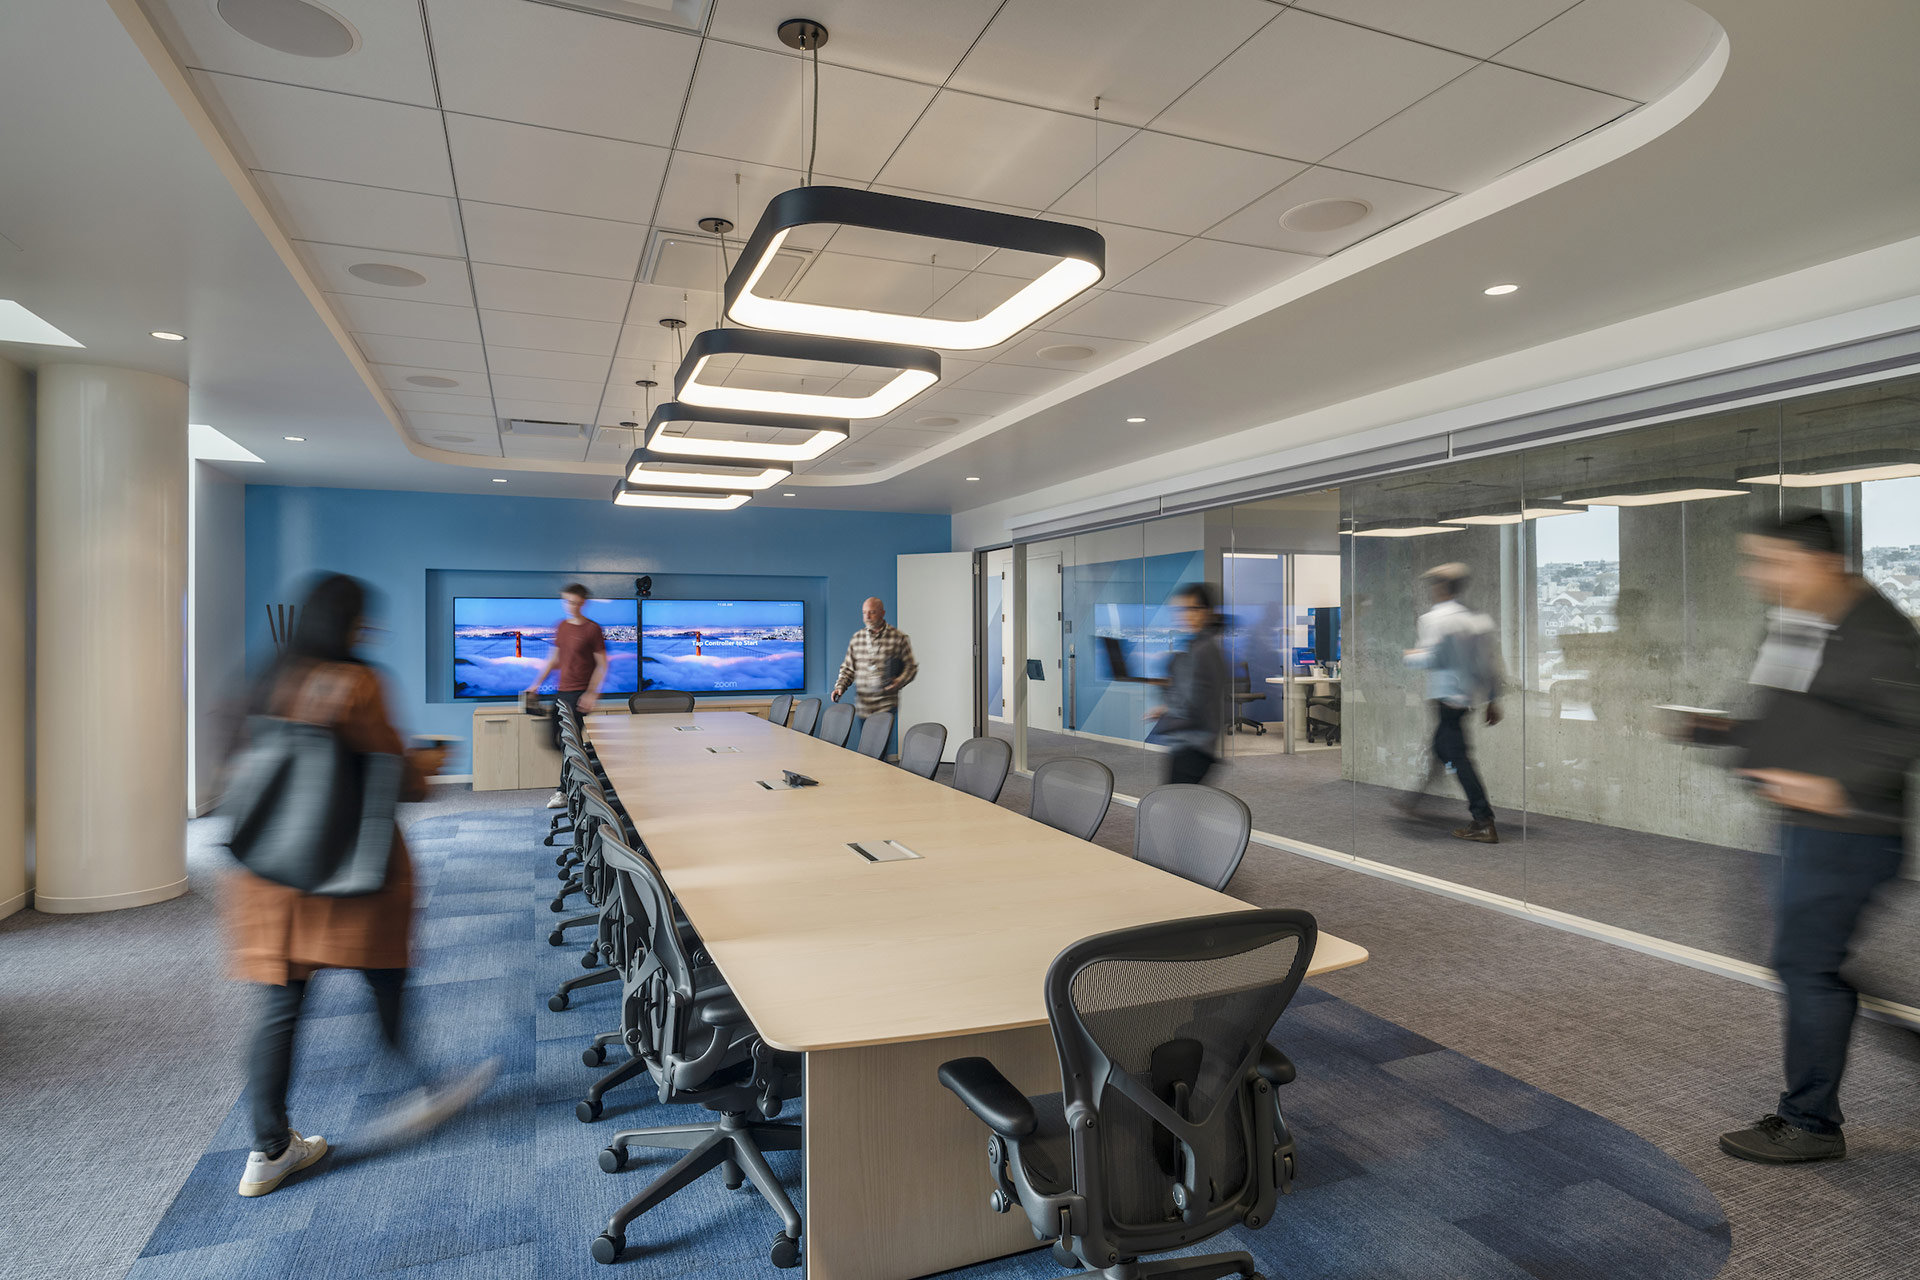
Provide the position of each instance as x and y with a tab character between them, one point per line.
16	557
934	607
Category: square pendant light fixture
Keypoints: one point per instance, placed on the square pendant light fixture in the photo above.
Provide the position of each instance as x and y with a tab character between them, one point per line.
646	467
1404	529
666	434
1507	515
1654	493
628	495
1081	255
914	369
1855	468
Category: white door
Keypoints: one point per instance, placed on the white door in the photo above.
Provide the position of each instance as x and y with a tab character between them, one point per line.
1046	696
935	609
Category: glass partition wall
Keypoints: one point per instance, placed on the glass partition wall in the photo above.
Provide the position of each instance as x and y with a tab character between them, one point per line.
1608	567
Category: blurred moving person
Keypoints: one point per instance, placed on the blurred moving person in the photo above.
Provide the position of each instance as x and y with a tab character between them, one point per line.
280	936
878	665
1458	650
579	653
1835	729
1195	715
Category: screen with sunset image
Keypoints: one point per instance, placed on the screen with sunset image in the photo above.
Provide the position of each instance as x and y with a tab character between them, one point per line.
723	646
501	642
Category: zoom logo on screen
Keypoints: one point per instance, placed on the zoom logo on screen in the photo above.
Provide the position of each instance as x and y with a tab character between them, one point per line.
726	684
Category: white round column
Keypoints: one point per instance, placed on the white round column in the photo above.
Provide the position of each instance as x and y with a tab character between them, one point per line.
110	674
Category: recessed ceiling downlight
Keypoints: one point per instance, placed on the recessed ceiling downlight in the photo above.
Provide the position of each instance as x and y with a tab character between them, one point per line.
1325	215
429	380
1065	352
296	27
385	273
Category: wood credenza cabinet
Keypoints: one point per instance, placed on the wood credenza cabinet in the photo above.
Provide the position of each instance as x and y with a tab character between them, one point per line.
511	751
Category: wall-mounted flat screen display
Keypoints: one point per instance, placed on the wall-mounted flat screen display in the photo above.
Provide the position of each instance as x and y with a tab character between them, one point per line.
500	642
723	646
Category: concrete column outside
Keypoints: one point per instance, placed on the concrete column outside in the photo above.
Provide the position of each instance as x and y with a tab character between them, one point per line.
110	673
16	558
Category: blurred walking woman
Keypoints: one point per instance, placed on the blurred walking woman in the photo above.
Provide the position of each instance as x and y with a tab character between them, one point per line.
280	936
1196	712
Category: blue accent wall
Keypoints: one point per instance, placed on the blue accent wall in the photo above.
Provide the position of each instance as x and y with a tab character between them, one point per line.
419	550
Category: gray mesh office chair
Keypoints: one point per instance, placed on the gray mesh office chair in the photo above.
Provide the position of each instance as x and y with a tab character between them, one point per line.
980	767
660	702
1162	1031
1243	693
806	713
874	734
836	723
1072	795
921	748
1193	831
780	708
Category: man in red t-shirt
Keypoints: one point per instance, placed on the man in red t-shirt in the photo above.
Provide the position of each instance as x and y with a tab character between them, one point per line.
580	653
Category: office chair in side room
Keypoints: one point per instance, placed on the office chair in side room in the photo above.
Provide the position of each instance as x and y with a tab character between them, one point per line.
701	1048
874	734
660	702
1072	795
806	714
921	748
779	709
1243	693
980	767
836	723
1196	832
1323	712
1176	1132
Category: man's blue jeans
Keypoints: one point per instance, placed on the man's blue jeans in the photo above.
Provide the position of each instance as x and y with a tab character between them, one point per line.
1827	878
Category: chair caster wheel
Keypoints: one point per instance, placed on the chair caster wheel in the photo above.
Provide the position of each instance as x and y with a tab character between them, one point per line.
557	938
1064	1256
785	1252
613	1159
731	1177
587	1110
557	906
607	1248
594	1055
591	960
558	1002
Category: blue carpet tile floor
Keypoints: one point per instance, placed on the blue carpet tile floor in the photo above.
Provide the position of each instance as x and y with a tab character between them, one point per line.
1414	1161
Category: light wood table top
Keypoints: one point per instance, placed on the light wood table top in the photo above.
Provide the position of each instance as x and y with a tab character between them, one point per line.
826	950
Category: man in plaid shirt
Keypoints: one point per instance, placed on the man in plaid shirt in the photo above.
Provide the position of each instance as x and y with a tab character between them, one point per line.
879	663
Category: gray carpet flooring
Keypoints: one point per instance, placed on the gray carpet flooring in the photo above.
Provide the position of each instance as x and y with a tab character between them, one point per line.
119	1057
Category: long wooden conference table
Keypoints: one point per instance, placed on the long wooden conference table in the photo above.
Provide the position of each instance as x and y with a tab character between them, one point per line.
879	971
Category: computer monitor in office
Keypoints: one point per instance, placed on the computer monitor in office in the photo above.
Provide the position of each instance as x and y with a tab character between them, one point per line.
1323	634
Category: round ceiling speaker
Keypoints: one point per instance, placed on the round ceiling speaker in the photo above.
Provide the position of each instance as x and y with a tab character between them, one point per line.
387	274
428	380
938	420
297	27
1066	352
1325	215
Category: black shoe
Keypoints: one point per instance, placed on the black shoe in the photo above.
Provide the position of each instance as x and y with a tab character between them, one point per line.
1775	1141
1479	833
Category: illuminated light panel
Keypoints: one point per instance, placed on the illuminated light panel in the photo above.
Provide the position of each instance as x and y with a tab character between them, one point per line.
1512	517
1655	493
827	433
1082	254
1500	290
916	369
625	495
648	468
1405	529
1251	555
1861	468
17	324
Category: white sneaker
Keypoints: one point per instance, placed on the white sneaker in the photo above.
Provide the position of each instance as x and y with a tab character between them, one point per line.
264	1174
558	800
427	1109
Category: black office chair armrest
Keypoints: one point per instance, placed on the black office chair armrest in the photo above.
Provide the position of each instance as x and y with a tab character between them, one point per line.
989	1095
722	1011
1276	1066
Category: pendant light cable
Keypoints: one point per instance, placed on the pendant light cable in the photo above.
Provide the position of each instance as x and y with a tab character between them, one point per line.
813	147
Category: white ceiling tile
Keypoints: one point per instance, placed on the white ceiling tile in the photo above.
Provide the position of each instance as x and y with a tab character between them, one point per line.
1131	316
398	377
541	64
1306	85
985	149
445	282
933	422
314	134
550	293
703	187
556	390
371	217
893	443
648	346
1064	53
611	445
916	41
972	296
545	410
1637	49
1489	121
746	105
395	318
1388	202
1222	274
425	353
1476	27
1059	347
505	163
1015	379
552	241
1174	184
417	401
389	59
942	401
523	362
876	284
1128	248
549	333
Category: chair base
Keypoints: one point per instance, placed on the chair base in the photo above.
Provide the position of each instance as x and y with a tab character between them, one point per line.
732	1143
1212	1266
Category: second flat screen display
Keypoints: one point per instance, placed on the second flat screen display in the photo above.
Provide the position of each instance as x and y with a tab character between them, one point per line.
723	646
